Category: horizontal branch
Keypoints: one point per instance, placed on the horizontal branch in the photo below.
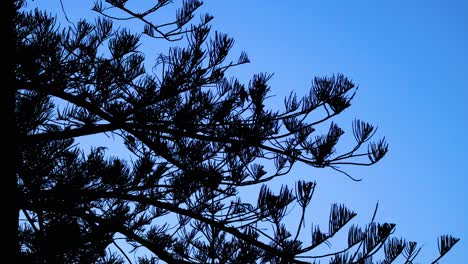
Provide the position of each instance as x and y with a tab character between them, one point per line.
92	195
68	133
231	230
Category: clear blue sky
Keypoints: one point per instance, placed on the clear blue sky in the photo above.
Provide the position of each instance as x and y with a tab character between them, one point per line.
409	59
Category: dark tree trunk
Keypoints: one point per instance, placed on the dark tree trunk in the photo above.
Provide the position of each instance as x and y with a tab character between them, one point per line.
10	140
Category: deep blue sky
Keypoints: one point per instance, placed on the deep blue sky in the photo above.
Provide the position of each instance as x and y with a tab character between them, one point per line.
409	59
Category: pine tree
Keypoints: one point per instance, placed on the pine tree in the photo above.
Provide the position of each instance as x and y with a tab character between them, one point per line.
198	140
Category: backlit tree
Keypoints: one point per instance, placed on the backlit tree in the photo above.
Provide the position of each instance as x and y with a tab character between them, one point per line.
198	140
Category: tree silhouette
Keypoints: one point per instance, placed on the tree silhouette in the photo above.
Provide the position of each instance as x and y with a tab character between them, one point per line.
198	139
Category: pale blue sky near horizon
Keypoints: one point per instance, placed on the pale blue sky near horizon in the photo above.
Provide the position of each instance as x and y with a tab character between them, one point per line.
409	59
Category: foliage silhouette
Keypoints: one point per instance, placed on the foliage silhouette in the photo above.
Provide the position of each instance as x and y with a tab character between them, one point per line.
197	138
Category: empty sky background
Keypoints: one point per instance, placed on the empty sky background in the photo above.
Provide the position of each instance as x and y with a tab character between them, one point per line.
409	59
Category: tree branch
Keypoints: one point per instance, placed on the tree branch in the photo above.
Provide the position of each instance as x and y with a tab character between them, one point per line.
68	133
231	230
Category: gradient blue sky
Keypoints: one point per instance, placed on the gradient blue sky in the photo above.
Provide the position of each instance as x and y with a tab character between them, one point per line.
409	59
